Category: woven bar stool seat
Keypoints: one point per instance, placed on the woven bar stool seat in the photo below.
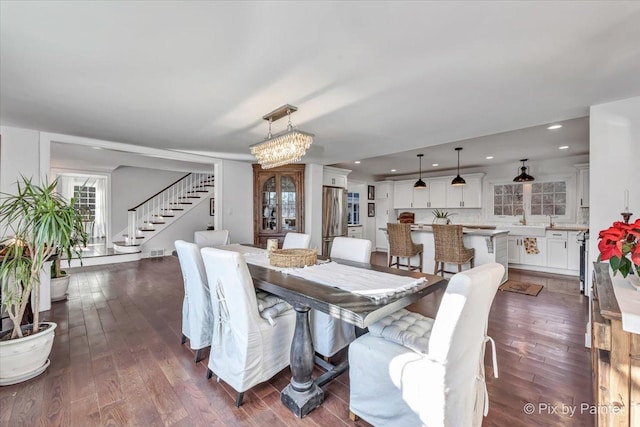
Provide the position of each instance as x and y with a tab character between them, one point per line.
449	248
401	246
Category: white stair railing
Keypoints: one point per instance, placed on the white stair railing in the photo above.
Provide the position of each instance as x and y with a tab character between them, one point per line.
165	203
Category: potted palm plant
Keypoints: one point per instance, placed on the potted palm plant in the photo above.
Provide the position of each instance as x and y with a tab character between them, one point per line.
37	224
441	217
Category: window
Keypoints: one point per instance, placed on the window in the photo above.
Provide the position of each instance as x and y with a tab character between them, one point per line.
549	198
353	208
508	199
539	198
85	201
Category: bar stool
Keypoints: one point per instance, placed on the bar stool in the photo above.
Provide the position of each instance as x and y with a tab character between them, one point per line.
401	245
449	248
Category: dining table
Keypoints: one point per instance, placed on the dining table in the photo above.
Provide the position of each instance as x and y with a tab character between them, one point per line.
304	393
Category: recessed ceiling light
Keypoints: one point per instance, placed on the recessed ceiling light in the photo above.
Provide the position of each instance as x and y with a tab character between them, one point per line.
489	157
393	170
553	127
563	147
435	164
357	162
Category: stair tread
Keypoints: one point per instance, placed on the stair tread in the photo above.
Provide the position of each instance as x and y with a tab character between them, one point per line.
137	237
157	222
122	243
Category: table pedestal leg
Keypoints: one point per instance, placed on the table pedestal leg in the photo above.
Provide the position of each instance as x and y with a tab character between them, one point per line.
302	395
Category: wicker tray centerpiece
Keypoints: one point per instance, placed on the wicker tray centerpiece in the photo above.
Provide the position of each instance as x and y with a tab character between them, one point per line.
293	257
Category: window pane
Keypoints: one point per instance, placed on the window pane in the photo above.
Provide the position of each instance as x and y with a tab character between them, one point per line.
536	209
497	210
536	188
559	209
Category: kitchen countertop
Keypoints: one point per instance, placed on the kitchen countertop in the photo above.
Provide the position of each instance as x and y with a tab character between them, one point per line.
465	231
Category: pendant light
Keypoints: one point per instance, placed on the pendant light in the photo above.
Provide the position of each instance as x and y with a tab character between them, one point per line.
524	176
458	180
420	183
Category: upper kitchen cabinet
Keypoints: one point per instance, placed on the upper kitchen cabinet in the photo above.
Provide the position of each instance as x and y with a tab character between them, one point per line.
335	177
465	196
403	194
384	190
278	202
432	197
583	185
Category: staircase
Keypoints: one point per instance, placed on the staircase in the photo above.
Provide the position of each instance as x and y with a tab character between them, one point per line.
154	214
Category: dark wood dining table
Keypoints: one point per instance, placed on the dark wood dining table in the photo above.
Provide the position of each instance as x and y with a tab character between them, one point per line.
304	393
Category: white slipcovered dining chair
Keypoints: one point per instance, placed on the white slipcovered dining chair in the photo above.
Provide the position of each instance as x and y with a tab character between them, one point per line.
247	348
209	238
411	370
328	333
296	240
197	315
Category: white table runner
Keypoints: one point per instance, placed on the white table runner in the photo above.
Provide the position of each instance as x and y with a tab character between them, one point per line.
629	302
369	283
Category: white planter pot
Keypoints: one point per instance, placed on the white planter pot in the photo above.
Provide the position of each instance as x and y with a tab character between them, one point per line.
25	358
59	287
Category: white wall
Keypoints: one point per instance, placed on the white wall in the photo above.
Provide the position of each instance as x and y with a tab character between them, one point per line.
20	154
614	153
131	186
236	200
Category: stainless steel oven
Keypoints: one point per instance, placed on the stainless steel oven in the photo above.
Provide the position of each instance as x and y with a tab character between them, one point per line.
583	241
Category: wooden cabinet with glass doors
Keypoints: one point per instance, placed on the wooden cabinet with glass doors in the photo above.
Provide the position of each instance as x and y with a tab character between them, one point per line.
278	202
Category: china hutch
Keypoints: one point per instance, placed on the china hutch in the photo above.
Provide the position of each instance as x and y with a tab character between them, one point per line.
278	202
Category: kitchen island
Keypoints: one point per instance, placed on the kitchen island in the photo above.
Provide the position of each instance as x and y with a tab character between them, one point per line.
490	246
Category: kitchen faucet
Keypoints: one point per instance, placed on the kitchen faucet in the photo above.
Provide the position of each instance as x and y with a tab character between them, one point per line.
551	224
523	221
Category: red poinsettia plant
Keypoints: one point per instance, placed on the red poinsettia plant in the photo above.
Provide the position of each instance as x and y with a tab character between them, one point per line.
620	244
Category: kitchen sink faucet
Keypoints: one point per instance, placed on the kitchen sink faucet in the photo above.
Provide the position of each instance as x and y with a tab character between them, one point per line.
523	221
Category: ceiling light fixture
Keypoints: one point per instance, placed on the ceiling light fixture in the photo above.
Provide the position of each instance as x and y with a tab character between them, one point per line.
563	147
420	183
524	176
357	162
285	147
554	127
458	180
435	164
489	157
393	170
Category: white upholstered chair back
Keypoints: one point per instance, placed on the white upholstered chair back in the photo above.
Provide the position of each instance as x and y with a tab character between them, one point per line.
296	240
248	350
358	250
210	238
197	314
432	373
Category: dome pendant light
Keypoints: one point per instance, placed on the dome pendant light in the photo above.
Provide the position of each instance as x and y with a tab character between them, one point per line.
420	183
524	176
458	180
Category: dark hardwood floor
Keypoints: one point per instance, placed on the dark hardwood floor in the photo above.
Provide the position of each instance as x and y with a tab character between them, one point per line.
117	360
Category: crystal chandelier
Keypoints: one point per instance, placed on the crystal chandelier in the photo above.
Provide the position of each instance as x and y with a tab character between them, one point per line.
285	147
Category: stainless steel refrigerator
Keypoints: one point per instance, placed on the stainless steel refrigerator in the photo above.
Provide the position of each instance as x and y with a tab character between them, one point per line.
334	216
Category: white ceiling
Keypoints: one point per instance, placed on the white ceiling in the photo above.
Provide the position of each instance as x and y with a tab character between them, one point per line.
369	78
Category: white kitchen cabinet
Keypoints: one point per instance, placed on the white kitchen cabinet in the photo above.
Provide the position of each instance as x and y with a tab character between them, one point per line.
465	196
354	232
335	177
557	249
403	195
573	251
384	190
438	193
539	259
518	254
384	213
514	249
583	185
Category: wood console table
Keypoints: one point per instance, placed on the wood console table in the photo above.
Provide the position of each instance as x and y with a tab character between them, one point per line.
615	356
